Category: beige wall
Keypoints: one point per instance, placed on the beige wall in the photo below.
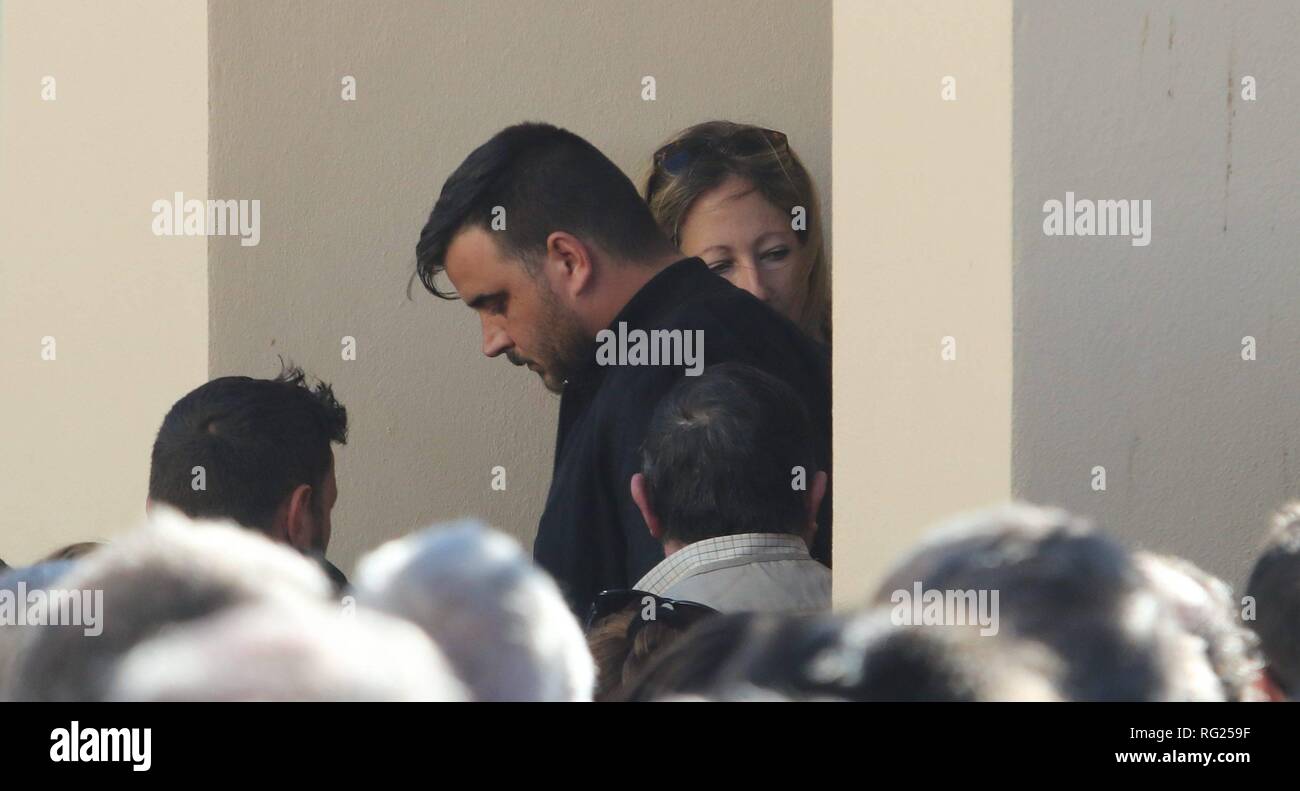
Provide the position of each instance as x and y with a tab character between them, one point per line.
1129	358
78	261
346	186
924	186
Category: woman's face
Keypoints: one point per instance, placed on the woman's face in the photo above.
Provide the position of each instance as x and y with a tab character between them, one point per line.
747	240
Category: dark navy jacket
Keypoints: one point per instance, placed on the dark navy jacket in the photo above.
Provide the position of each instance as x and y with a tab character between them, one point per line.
591	536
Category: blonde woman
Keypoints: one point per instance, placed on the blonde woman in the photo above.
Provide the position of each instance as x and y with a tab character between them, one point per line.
737	197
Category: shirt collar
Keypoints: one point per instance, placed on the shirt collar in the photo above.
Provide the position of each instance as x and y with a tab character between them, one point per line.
721	551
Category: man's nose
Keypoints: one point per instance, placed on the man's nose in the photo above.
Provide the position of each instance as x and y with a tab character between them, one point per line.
495	339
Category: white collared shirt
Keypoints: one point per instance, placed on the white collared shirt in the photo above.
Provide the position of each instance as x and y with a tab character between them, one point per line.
747	572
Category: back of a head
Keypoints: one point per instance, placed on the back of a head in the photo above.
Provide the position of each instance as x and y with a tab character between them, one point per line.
863	657
500	620
704	660
236	447
1274	587
19	583
747	656
607	641
1203	605
546	179
172	571
1062	583
288	651
625	642
874	659
720	454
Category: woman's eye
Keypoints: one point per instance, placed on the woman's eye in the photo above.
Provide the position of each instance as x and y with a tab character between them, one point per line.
776	254
720	267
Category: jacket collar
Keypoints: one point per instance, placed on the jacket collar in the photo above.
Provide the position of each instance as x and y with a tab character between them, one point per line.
669	287
720	552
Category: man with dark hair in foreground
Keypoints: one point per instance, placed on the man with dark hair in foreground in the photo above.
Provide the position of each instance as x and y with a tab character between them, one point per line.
729	485
549	242
257	452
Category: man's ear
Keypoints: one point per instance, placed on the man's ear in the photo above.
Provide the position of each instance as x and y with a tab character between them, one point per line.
812	504
569	265
299	521
642	500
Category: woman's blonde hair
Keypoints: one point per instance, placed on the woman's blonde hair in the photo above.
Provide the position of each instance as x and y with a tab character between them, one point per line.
773	169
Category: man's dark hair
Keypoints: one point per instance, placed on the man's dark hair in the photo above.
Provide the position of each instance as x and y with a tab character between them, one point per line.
1062	584
256	440
720	452
547	179
1275	588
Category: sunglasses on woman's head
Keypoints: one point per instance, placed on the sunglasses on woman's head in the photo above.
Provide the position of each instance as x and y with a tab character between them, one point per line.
677	156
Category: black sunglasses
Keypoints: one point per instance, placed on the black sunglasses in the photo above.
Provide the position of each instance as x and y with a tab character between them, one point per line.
677	156
675	612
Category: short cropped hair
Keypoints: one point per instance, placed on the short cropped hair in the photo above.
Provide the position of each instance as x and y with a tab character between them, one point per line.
546	179
256	440
501	621
720	453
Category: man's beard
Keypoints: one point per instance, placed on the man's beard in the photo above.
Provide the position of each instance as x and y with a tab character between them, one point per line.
563	347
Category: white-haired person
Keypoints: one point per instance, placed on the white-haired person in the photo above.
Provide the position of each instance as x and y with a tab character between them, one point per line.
1205	607
171	572
288	650
500	620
